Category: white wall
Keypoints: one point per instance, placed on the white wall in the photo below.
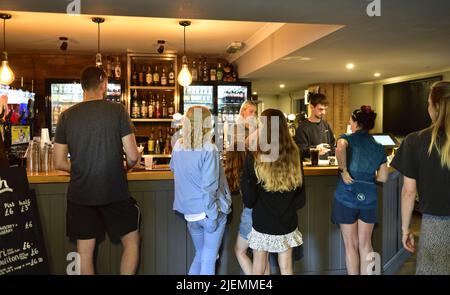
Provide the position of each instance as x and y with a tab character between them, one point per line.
286	100
268	102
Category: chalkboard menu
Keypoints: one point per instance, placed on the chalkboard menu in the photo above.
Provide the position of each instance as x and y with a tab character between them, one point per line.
22	248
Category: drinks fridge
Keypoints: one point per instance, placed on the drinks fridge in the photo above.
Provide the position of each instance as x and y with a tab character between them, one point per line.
61	94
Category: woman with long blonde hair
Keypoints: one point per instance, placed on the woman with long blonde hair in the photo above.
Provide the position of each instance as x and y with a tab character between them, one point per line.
424	161
272	184
198	180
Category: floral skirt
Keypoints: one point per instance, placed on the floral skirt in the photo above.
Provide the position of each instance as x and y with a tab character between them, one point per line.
274	243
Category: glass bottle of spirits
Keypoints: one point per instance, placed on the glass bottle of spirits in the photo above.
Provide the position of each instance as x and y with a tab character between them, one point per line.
149	76
134	78
141	76
205	72
151	142
144	109
194	72
164	77
157	107
151	106
219	72
200	69
117	69
171	109
156	76
171	76
164	107
212	74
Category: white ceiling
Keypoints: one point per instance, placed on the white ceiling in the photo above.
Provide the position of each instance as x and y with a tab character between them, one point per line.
409	37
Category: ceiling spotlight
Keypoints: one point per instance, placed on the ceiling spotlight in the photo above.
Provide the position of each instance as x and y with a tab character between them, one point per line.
350	66
64	43
377	74
281	85
161	46
255	93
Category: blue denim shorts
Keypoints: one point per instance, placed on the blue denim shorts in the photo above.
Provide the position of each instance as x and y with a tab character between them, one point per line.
245	227
346	215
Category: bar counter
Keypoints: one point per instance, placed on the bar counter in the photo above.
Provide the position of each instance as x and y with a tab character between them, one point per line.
166	245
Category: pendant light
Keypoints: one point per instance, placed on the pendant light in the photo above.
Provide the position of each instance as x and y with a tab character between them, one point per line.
6	74
98	56
184	77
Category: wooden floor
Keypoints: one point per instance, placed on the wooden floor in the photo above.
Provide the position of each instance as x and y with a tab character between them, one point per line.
409	267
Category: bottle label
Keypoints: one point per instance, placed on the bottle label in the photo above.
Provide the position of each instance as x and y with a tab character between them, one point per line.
149	79
163	81
118	72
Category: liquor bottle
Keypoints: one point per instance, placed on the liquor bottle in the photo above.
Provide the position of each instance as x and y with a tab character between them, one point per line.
163	77
151	106
212	74
171	76
161	141
144	109
205	72
117	69
168	145
135	110
200	69
157	108
151	142
156	76
219	72
109	67
149	76
164	107
141	75
194	72
171	109
134	79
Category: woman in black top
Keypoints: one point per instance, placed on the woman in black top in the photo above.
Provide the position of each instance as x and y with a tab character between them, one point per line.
272	184
424	161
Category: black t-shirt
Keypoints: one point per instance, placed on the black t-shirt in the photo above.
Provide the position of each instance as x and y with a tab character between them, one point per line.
413	161
311	134
274	213
93	131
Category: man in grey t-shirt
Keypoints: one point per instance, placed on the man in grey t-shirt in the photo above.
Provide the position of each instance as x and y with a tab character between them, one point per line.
95	132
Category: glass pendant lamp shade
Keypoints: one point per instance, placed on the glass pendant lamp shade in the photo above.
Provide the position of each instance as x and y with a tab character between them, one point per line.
6	74
185	77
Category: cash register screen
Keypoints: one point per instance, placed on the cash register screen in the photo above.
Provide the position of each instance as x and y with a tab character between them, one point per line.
20	134
384	140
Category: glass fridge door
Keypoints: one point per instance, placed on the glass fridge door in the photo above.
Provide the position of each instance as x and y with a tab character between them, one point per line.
229	101
198	95
63	96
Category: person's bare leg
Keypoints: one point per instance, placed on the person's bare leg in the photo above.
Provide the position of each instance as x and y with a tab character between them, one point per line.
350	236
240	249
365	243
267	270
85	249
285	262
260	259
130	255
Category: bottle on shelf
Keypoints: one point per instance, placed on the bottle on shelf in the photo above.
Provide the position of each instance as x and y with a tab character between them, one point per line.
117	69
171	76
168	144
156	76
164	77
219	72
151	142
200	69
164	112
194	71
212	74
149	76
171	109
157	107
135	110
144	109
205	72
151	106
141	76
134	77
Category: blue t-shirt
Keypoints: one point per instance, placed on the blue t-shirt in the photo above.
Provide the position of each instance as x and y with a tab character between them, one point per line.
364	157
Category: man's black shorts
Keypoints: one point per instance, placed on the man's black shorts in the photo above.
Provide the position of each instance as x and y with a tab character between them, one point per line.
85	222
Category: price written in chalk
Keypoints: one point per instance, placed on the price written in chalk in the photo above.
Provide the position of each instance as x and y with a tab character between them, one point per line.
26	245
9	208
25	205
28	224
